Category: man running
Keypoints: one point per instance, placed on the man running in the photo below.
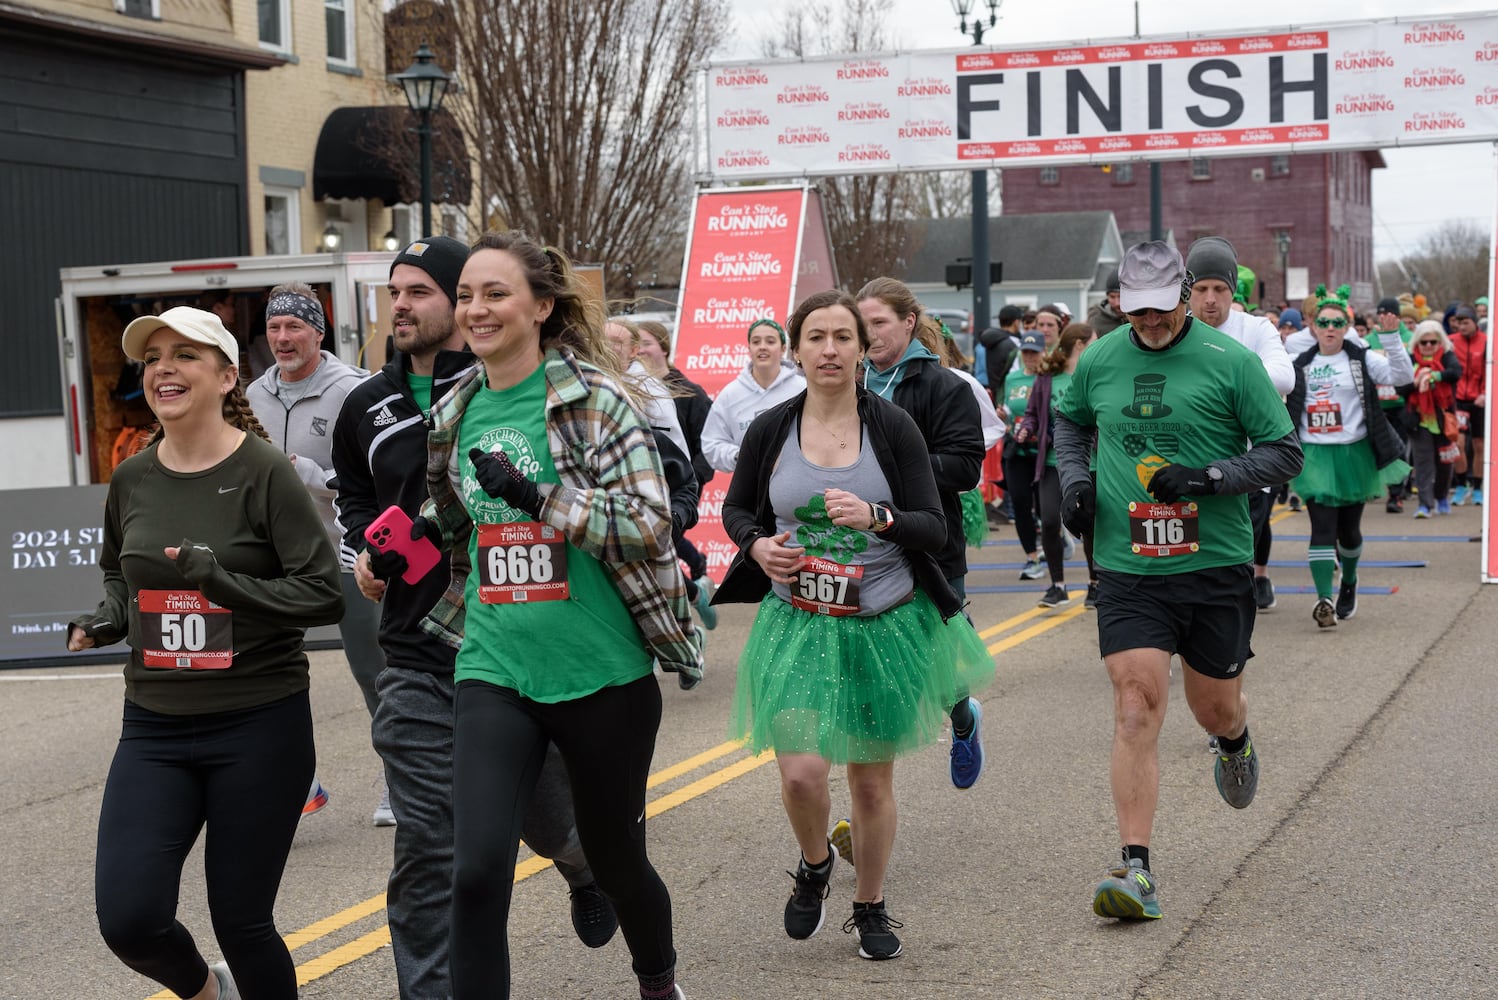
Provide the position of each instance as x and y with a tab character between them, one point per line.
1174	405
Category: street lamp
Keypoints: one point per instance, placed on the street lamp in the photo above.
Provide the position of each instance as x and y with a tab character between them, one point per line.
982	314
332	238
1282	237
425	85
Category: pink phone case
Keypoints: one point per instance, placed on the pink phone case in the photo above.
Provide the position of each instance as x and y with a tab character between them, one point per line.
391	531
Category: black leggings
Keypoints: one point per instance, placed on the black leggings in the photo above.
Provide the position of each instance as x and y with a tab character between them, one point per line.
606	740
1019	476
1050	528
1332	526
244	775
1260	507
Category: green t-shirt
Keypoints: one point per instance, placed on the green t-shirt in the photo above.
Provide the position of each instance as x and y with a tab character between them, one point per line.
1016	397
421	389
1059	382
548	650
1193	404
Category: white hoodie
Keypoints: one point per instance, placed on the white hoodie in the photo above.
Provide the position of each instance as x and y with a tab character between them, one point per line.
736	407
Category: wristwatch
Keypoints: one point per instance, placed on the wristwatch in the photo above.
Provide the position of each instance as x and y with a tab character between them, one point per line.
1214	475
883	517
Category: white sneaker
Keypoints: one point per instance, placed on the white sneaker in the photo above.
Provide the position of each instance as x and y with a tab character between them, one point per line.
383	815
226	988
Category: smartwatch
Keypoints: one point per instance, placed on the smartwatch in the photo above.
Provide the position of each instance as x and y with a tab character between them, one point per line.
883	518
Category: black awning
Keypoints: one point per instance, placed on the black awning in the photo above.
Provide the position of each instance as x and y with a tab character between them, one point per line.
374	152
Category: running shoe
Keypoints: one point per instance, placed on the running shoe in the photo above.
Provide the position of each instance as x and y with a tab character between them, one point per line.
1055	597
1324	614
1237	776
1459	496
1127	892
1442	507
593	916
383	814
1422	512
875	930
1347	600
807	907
226	988
1394	506
1264	593
1033	570
705	610
842	839
1090	602
1477	497
317	797
1294	504
967	754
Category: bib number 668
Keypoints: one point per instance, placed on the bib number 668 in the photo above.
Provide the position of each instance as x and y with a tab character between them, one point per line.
516	564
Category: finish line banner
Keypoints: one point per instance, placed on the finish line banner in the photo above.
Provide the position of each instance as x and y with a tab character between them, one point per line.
1371	84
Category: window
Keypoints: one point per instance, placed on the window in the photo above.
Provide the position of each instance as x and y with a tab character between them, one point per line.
1050	176
275	24
1279	166
340	31
283	221
1123	173
138	8
453	222
1201	169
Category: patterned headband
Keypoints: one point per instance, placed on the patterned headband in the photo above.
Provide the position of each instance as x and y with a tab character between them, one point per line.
307	310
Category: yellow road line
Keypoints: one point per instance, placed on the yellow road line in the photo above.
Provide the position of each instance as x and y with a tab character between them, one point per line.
1010	642
693	763
1009	623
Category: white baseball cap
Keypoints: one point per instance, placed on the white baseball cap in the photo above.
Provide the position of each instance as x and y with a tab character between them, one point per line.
194	324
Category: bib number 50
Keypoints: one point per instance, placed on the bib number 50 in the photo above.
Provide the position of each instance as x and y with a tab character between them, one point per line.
184	632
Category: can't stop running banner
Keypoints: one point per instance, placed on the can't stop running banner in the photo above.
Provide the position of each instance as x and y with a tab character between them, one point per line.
754	253
1373	84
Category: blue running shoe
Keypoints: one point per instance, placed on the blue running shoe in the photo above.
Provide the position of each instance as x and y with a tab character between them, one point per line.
705	610
1443	506
1477	497
1459	496
967	754
1127	892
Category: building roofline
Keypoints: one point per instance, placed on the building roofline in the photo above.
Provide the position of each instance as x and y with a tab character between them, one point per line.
234	55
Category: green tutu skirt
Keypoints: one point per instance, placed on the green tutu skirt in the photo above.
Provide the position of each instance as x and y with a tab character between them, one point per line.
974	517
853	690
1341	475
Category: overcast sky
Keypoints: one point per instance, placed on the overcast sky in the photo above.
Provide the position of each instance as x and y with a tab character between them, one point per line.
1422	186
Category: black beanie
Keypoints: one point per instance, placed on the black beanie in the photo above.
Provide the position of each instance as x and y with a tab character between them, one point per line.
1389	305
1213	257
442	257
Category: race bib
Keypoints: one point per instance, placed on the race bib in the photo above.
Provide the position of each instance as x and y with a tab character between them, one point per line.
521	562
183	630
1463	420
1449	453
1157	530
1387	394
1323	417
824	587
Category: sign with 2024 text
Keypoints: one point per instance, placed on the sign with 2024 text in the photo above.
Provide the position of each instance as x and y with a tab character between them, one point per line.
1401	82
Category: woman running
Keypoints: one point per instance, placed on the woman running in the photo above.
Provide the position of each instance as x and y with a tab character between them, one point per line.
768	379
1428	412
545	475
858	646
1351	452
215	562
1020	458
1055	372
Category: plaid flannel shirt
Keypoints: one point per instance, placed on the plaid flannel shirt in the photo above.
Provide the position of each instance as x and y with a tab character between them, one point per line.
611	503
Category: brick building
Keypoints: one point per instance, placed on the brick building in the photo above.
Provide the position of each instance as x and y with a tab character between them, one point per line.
1322	200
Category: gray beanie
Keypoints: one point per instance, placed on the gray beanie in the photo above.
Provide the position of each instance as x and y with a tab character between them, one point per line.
1213	257
442	257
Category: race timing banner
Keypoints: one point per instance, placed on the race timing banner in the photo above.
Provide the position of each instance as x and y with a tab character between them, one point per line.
1407	81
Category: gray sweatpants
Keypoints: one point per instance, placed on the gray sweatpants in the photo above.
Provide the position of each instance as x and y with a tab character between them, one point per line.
360	632
413	734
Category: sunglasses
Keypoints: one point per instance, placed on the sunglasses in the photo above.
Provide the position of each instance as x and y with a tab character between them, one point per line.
1428	343
1331	322
1141	313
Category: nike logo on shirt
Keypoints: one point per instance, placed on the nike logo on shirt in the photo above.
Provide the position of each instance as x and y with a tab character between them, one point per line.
227	489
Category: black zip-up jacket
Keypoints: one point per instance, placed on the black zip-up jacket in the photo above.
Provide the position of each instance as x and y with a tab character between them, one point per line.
919	527
946	414
380	460
1381	437
692	410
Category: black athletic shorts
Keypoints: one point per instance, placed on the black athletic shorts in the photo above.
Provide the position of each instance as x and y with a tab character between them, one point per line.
1477	417
1206	616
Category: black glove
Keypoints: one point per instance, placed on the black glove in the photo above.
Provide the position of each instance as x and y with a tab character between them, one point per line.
1175	481
1078	508
422	527
501	480
387	565
195	561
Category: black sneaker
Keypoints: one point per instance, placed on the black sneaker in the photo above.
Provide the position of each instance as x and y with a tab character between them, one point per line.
1394	506
875	931
1264	593
1347	600
1091	599
593	916
807	907
1055	597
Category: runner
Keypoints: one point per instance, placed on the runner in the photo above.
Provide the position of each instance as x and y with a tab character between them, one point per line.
379	454
541	468
1431	417
767	380
858	645
1351	453
214	564
1173	404
1471	348
1020	458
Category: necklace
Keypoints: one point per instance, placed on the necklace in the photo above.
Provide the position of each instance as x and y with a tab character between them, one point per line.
828	427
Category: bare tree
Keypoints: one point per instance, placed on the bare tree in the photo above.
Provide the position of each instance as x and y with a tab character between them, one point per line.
1451	264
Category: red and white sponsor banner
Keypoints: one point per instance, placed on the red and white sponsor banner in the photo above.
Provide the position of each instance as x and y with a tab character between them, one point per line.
1385	83
1490	508
753	254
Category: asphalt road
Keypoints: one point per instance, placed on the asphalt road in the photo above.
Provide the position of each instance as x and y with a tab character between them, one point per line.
1360	871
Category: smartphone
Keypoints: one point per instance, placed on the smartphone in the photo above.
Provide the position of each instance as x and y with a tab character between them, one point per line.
391	531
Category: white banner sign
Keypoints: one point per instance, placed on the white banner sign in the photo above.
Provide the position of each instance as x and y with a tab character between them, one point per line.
1383	83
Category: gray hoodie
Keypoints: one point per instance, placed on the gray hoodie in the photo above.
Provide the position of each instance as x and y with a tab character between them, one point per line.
304	430
739	402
